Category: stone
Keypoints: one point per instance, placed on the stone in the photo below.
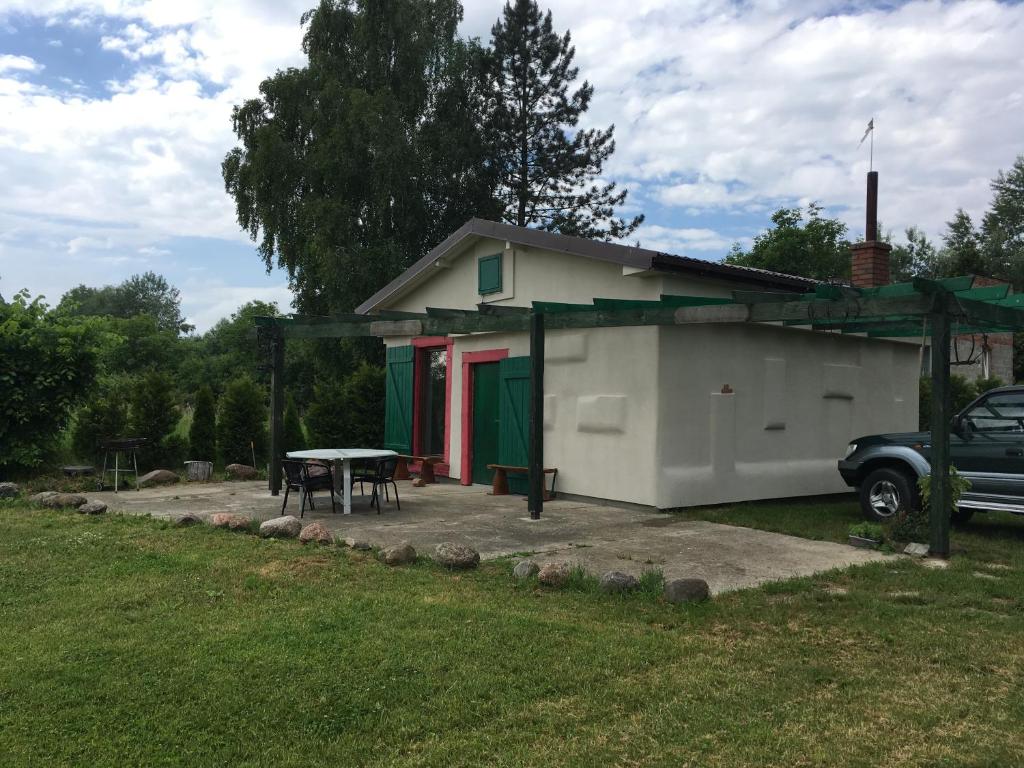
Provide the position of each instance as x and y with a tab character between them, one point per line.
359	544
452	555
686	591
525	569
241	472
92	508
9	490
617	581
187	519
917	550
553	574
934	562
398	554
284	527
64	501
418	482
158	477
39	498
316	533
230	520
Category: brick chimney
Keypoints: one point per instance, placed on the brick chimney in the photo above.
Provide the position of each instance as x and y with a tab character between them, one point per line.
869	261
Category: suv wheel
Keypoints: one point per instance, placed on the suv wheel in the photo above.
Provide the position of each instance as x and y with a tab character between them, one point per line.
885	493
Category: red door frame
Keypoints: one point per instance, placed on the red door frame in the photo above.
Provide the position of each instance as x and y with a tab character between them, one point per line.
469	359
421	345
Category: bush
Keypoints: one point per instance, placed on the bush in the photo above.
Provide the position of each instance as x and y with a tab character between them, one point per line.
328	415
241	424
365	401
294	437
963	392
153	415
49	362
202	435
910	525
984	385
104	418
350	413
170	453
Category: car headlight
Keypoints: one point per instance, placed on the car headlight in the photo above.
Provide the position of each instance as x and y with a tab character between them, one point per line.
850	449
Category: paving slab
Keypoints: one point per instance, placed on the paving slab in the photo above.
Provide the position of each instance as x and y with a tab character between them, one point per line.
598	537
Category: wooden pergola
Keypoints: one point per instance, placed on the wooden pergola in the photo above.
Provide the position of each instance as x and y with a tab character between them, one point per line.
922	308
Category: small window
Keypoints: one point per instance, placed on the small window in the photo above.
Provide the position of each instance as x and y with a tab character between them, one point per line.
489	274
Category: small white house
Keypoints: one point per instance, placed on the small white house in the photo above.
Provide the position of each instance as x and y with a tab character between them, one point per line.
659	416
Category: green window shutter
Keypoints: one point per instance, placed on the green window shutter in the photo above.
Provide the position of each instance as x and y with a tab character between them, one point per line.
398	404
514	417
489	274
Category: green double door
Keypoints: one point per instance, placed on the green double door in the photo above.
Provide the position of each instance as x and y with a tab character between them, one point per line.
501	418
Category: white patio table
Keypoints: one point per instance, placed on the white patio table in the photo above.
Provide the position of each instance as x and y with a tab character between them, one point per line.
342	458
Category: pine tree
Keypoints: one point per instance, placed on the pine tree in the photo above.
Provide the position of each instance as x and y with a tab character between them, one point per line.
202	436
546	168
294	438
1003	226
962	252
241	424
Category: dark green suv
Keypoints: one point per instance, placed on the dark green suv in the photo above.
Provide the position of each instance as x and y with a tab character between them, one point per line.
987	447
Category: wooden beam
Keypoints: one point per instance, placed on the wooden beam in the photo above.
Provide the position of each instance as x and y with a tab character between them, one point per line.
276	410
941	413
535	475
384	328
982	313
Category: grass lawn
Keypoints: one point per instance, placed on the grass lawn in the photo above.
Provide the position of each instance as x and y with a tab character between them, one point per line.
127	642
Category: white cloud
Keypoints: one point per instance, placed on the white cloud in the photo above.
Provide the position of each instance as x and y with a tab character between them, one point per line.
681	240
12	63
206	302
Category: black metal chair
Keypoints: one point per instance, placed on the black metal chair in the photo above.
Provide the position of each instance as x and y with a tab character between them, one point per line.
383	475
298	478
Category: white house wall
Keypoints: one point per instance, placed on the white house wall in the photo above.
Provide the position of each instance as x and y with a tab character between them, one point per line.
798	398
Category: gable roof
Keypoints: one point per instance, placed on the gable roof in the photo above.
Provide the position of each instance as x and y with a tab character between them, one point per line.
626	255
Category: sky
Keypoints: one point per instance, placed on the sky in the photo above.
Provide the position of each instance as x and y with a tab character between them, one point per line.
115	116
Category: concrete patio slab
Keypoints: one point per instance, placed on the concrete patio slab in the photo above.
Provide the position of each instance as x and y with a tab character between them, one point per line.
599	538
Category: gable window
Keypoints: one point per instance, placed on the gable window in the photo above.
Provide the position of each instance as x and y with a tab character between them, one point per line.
489	274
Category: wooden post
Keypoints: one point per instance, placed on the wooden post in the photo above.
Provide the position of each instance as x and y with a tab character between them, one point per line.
276	410
942	405
535	496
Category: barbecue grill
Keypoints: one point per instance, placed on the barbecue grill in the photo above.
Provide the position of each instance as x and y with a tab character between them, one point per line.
126	446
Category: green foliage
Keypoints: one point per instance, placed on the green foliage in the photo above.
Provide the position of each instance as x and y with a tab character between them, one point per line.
153	415
153	409
328	418
49	363
350	412
104	417
1003	226
364	398
816	248
147	294
866	530
547	167
202	435
354	165
242	421
963	391
962	251
915	258
910	525
294	437
982	386
958	485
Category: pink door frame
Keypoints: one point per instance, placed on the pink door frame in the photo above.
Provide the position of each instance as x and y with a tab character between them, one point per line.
469	359
422	344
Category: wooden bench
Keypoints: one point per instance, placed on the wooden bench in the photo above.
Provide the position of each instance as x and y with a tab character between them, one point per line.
499	487
426	467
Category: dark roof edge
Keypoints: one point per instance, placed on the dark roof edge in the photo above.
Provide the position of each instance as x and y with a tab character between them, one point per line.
630	256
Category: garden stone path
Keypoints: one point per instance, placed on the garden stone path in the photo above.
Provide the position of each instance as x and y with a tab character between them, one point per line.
599	538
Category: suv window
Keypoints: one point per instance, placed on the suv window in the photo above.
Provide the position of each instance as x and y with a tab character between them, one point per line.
999	413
